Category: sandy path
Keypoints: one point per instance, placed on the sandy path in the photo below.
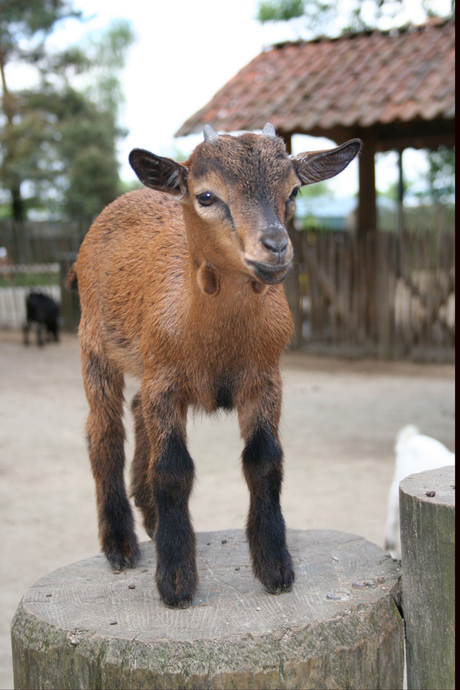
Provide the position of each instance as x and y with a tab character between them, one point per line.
339	424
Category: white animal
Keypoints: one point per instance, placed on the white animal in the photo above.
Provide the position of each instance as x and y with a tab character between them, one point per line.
414	453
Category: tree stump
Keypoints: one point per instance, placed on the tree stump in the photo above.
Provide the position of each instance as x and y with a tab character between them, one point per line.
427	517
84	626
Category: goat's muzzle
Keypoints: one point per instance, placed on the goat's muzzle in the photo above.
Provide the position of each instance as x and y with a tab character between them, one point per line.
273	256
268	273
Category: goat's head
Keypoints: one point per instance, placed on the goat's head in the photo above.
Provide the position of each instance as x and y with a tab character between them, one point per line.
238	193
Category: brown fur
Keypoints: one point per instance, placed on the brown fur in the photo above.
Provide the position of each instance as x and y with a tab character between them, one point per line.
188	298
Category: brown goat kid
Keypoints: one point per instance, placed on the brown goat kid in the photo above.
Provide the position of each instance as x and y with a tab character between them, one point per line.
180	286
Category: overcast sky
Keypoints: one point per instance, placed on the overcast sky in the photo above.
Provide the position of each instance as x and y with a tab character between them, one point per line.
185	51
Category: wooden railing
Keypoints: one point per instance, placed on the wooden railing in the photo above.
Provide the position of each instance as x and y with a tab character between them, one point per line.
389	296
385	295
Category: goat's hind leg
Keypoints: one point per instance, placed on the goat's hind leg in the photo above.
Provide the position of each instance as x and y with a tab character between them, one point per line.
141	489
105	434
263	470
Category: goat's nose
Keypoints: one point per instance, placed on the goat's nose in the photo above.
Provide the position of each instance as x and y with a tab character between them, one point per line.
275	244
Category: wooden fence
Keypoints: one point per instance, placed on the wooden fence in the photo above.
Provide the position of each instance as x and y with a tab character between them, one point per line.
388	296
15	284
37	256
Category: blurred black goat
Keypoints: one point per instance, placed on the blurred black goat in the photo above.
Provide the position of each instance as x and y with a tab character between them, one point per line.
44	312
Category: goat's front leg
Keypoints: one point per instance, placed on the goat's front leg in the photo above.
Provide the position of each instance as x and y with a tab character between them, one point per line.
171	474
263	470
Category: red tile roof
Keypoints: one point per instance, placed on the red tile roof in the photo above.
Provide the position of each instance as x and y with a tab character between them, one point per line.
353	81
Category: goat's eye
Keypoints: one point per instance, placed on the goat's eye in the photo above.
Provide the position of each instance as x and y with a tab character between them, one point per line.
294	193
206	198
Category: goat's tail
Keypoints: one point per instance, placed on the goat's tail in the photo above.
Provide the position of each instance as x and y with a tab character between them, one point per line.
71	281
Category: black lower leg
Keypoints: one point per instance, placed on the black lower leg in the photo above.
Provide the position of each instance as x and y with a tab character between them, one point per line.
266	532
176	573
116	523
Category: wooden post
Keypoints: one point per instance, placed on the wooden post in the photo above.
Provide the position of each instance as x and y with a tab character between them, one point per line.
70	302
367	229
427	517
367	208
292	281
84	626
292	288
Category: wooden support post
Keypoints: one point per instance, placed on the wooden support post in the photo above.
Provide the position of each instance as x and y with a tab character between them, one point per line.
292	288
367	229
84	626
427	517
292	281
70	302
367	208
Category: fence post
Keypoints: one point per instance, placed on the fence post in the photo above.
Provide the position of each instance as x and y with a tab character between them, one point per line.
292	287
427	517
70	302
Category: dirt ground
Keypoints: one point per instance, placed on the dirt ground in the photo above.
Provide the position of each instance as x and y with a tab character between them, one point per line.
339	424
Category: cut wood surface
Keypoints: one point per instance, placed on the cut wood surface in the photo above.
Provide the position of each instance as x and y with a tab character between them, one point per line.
84	626
427	516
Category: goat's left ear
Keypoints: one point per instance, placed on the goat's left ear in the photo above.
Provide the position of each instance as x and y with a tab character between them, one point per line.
315	166
159	173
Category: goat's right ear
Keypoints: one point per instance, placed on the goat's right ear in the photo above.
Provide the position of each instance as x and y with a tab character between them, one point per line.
316	166
159	173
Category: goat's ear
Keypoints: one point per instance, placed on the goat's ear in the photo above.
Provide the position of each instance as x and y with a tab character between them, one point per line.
159	173
316	166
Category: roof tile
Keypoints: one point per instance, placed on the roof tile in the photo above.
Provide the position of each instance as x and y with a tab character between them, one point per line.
360	79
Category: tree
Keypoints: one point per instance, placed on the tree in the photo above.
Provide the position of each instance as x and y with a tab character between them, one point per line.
57	142
330	17
441	175
22	20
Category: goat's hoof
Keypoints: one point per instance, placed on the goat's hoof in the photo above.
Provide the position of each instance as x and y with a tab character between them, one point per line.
279	577
178	589
120	558
150	526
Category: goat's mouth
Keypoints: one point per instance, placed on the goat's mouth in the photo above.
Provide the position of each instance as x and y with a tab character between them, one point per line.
267	273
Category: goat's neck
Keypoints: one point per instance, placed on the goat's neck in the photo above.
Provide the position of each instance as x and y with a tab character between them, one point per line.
211	274
209	278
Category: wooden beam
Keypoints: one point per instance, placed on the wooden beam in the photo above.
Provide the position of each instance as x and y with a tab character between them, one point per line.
416	142
417	134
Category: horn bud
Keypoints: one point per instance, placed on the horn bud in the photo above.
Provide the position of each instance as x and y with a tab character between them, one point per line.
269	130
209	134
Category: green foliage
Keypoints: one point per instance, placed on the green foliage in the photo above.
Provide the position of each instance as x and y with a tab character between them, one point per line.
281	11
441	174
107	55
322	17
318	13
317	189
57	141
29	280
124	187
29	19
